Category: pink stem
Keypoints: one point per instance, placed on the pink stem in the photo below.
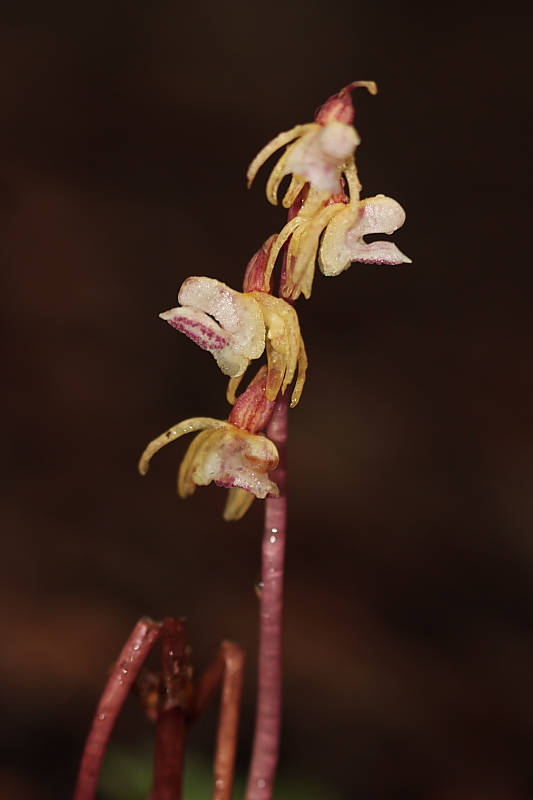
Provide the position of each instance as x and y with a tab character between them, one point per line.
268	721
122	678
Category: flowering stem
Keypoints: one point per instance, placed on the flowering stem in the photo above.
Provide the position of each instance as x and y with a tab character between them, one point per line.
268	720
121	680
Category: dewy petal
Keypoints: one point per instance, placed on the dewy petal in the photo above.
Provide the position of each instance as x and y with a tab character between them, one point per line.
343	241
378	214
187	426
237	335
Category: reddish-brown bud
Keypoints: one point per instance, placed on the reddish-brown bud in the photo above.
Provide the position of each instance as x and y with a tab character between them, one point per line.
339	107
255	279
252	410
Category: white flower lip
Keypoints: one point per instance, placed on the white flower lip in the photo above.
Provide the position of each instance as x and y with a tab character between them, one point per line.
343	241
227	323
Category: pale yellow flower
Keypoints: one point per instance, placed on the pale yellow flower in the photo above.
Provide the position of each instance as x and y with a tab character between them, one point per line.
224	454
317	152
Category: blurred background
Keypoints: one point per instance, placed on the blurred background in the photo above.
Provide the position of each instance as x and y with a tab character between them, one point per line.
125	133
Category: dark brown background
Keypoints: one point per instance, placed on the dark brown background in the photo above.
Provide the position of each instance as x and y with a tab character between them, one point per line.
126	129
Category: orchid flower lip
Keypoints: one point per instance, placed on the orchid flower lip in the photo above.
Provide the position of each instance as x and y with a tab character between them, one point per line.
227	323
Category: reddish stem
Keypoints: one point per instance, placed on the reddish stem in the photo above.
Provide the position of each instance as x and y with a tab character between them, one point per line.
228	725
268	721
206	687
122	678
170	729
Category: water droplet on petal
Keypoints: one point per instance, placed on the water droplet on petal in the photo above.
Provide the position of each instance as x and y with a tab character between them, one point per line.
101	717
261	783
259	586
273	539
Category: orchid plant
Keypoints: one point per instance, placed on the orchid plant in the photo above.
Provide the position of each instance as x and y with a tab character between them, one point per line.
246	454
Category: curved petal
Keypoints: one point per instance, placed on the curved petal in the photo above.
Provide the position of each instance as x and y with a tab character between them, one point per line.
302	370
237	504
284	343
309	240
295	187
277	175
195	451
187	426
334	255
286	232
377	214
281	139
